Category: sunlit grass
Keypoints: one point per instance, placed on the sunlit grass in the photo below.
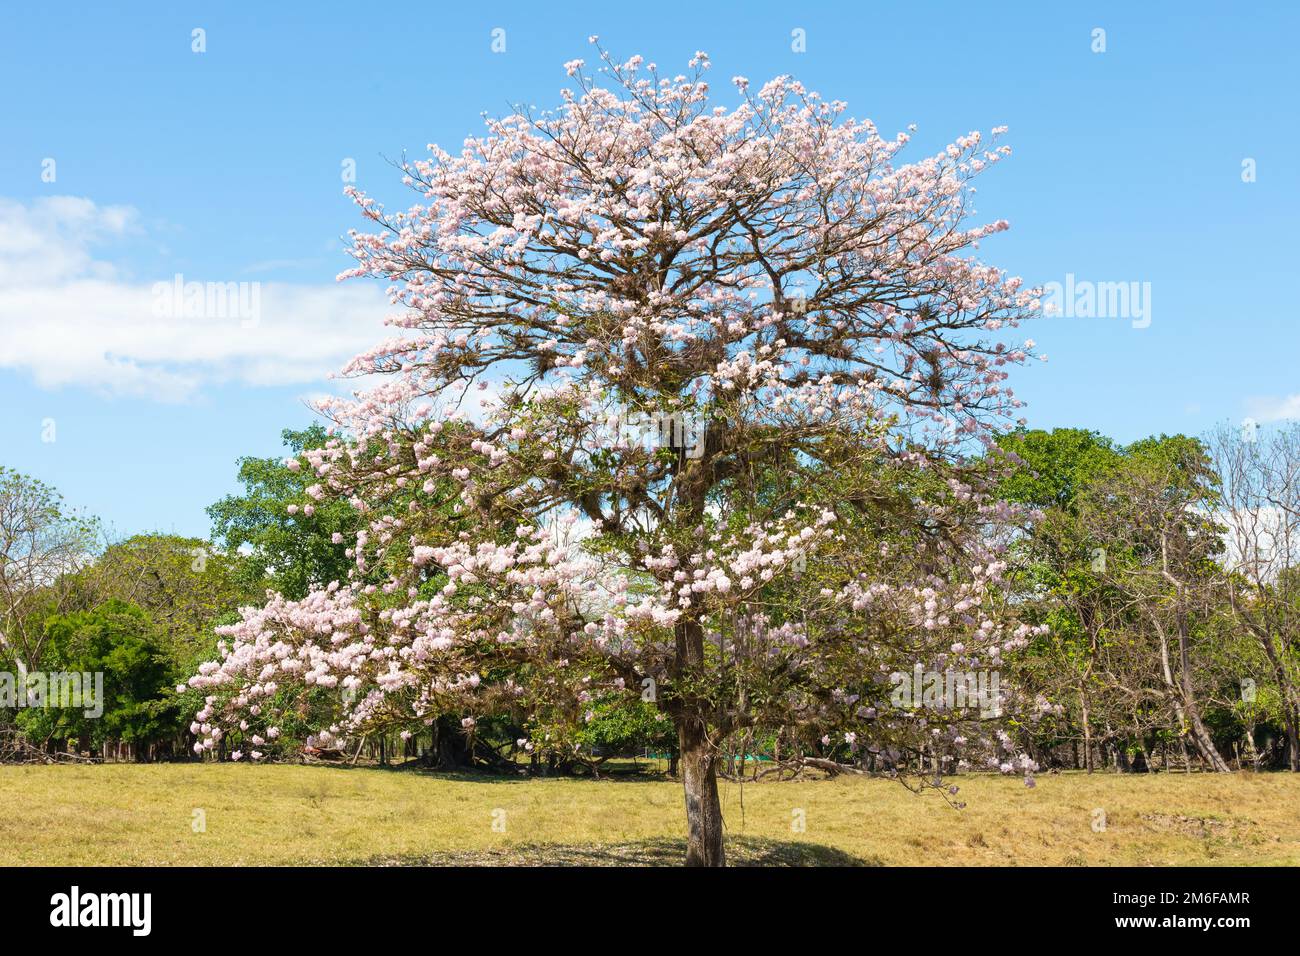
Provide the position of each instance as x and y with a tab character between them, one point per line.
134	814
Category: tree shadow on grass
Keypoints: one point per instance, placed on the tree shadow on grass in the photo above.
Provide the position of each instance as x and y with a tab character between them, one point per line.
495	775
741	851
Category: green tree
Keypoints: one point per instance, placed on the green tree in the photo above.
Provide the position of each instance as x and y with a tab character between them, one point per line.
290	552
1121	561
42	542
120	642
185	584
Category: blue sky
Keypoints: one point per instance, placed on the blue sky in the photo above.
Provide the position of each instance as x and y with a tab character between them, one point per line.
225	166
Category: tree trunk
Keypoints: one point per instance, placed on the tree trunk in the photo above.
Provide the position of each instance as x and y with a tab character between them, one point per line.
703	808
449	749
698	760
1184	700
1290	722
697	757
1087	734
1250	747
1204	742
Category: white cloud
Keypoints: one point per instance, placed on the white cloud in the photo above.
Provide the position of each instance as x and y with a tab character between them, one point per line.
48	240
68	318
1272	409
1260	541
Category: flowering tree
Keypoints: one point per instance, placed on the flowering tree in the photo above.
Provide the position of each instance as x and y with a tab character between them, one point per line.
42	545
724	365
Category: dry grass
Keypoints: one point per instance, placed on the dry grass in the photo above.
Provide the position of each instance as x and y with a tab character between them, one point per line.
142	815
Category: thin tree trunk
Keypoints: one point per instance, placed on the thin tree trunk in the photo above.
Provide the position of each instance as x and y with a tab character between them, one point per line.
1250	746
1204	742
1184	701
1087	734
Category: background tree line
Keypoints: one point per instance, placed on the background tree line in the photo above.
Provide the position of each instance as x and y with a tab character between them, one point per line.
1167	571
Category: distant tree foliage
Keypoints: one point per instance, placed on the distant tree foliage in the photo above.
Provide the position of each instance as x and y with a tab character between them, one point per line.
1165	573
123	644
290	552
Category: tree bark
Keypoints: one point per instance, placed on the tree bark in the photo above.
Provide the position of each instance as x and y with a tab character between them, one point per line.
1184	699
1087	734
697	758
700	783
1204	742
448	750
1250	746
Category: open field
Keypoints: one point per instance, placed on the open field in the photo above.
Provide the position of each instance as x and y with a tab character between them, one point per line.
142	814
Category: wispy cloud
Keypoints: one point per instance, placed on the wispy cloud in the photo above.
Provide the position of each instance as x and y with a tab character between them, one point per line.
1274	409
69	317
278	265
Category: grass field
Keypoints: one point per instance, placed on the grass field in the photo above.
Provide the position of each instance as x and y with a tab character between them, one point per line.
146	814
